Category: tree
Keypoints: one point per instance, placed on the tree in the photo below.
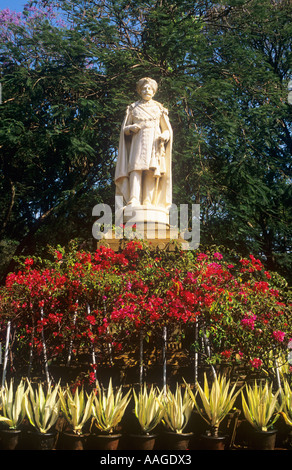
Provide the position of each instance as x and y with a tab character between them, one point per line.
53	110
222	69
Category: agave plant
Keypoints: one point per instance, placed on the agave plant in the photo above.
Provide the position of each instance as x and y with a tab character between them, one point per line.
261	407
76	407
148	409
217	400
177	409
287	403
12	402
108	408
42	408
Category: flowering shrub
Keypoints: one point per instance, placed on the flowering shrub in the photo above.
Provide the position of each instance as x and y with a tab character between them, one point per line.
11	22
88	300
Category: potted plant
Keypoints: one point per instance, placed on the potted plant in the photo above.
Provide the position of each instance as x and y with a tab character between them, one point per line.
108	408
177	409
261	410
43	409
77	409
216	402
148	412
12	413
286	411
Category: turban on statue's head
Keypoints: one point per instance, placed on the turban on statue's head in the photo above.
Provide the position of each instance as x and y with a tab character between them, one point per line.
144	80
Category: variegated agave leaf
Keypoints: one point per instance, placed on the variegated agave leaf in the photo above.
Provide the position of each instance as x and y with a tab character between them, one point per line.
108	408
148	409
260	406
217	400
77	408
286	410
42	408
177	409
13	404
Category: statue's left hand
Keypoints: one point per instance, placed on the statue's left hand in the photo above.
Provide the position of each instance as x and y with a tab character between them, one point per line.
164	137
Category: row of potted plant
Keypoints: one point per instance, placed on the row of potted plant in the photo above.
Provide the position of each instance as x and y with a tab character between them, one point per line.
92	420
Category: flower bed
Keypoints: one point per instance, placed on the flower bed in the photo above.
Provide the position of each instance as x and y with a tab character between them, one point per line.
77	314
104	305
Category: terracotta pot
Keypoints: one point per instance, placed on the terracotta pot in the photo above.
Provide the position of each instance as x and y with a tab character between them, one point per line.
141	441
213	442
176	441
10	439
71	441
42	441
103	441
262	440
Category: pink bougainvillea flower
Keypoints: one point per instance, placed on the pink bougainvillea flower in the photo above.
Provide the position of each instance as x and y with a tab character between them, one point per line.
249	321
279	335
201	256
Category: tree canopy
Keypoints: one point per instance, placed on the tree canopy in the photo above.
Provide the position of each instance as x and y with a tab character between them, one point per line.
68	71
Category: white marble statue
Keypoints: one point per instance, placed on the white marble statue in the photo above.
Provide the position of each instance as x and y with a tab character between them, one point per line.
143	169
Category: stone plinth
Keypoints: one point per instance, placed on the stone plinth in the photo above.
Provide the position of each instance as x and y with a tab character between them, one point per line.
170	241
150	223
146	214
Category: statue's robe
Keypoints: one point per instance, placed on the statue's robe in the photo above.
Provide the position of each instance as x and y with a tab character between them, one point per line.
141	151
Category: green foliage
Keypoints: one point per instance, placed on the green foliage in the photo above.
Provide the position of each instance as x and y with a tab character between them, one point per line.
217	400
223	70
241	309
147	409
42	407
177	409
287	402
12	402
76	407
260	407
108	407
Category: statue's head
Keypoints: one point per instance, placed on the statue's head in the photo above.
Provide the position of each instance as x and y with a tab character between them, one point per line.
144	82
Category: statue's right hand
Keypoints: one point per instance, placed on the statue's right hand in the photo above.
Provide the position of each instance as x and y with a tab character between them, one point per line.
133	129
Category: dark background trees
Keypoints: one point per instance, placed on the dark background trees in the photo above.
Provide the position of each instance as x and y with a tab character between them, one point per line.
67	76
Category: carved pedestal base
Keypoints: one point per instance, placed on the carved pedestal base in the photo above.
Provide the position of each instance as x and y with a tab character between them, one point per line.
170	241
166	243
151	224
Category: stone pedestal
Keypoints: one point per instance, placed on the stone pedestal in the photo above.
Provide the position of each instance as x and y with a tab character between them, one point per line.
147	223
167	243
146	214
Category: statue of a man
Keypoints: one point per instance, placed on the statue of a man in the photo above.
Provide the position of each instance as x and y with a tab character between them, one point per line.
143	170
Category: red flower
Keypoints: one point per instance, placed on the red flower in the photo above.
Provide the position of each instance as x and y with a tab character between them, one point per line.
28	262
256	362
249	320
91	319
58	255
226	354
279	335
92	377
201	256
